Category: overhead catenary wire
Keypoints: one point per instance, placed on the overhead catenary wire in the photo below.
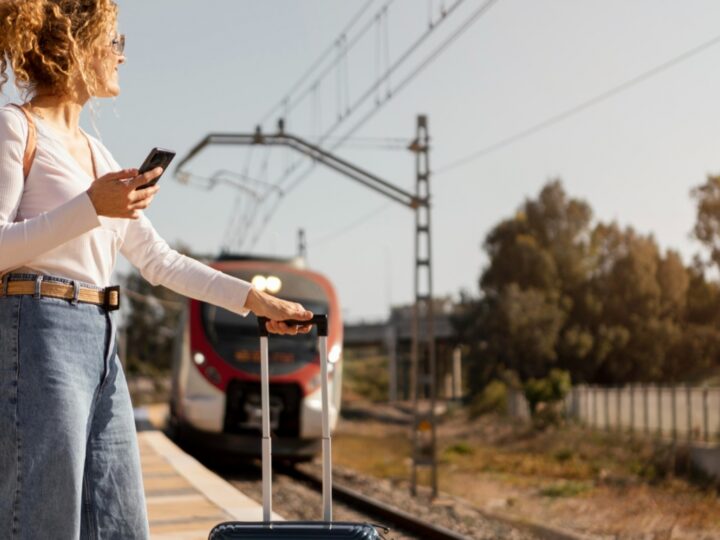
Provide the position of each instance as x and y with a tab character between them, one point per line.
352	225
327	52
425	63
374	146
374	143
576	109
474	17
378	82
392	69
289	102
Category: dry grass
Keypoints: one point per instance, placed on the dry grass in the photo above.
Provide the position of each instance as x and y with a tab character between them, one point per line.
381	456
600	483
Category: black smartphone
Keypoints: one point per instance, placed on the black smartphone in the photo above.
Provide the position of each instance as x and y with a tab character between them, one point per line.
158	157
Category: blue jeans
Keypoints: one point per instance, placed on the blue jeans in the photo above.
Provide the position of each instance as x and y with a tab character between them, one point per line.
69	459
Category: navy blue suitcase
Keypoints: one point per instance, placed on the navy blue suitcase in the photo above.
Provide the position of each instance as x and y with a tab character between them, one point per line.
306	530
310	530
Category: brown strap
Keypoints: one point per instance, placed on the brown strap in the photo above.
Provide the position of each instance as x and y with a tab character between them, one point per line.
31	145
59	290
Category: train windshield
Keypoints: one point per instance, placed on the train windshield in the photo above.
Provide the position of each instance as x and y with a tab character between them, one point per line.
235	339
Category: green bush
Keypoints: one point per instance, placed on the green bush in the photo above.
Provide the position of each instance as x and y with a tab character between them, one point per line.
544	397
563	455
565	489
493	398
366	376
461	448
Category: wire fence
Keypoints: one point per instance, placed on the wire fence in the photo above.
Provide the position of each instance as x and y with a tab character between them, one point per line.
673	412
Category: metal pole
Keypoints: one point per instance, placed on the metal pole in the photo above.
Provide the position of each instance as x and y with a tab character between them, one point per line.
423	349
266	437
326	436
457	373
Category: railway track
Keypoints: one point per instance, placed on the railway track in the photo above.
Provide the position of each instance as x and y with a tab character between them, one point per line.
297	495
400	520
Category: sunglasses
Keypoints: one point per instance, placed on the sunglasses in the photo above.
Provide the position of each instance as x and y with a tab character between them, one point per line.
118	44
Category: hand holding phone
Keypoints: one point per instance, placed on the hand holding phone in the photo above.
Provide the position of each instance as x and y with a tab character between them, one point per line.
158	157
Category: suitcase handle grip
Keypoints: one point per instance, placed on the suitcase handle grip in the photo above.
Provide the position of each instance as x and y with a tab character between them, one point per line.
320	320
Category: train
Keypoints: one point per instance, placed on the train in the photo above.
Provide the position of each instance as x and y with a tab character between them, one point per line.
215	390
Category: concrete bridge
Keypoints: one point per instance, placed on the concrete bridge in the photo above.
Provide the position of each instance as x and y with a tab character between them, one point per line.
394	338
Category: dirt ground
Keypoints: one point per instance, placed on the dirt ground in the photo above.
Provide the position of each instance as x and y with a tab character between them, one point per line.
604	485
599	484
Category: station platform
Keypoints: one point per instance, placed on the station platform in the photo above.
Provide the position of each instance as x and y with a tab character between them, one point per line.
184	498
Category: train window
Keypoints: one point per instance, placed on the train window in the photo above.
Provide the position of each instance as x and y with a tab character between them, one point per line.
235	339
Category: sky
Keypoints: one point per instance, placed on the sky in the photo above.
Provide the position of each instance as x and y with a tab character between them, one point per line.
219	66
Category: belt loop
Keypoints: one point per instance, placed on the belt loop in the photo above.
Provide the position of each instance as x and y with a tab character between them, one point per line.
5	280
38	286
76	293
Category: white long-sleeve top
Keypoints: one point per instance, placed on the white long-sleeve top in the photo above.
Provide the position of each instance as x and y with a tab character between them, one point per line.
49	225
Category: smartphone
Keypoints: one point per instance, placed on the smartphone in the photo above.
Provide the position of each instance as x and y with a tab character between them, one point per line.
158	157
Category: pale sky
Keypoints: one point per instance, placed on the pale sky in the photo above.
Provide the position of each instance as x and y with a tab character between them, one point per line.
219	66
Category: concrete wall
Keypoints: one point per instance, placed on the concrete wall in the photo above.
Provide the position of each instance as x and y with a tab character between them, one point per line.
680	413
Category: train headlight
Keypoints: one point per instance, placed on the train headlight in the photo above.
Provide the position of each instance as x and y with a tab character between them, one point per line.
199	358
273	284
259	282
334	354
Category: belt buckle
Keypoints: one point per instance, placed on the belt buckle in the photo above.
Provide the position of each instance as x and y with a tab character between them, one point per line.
106	299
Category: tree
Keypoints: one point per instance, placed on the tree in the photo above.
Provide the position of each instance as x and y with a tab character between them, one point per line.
151	324
538	263
600	301
707	222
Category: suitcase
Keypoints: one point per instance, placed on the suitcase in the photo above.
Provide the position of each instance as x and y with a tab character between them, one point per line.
307	530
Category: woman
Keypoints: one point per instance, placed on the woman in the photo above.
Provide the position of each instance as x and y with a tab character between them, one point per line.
69	461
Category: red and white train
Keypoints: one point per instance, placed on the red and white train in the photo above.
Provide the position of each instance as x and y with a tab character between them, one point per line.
215	397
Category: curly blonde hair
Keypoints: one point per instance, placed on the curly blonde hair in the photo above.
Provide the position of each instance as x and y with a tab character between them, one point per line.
49	42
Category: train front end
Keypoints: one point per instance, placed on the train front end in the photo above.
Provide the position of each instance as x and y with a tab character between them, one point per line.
215	398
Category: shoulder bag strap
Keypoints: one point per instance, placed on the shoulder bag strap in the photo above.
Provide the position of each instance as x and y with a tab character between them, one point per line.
31	145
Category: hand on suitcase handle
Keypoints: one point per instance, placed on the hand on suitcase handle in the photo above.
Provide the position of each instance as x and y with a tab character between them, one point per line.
276	310
320	320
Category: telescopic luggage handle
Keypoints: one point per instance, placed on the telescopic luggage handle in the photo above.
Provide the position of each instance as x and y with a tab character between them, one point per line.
327	528
321	321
